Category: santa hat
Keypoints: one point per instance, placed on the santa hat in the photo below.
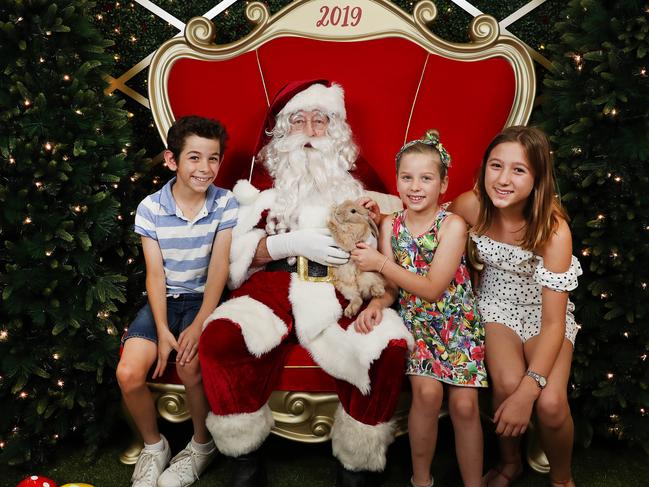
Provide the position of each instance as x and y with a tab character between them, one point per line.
305	95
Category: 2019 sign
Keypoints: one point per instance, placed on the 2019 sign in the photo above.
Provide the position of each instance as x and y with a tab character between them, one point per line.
333	16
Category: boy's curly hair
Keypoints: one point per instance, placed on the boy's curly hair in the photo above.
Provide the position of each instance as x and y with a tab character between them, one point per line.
194	125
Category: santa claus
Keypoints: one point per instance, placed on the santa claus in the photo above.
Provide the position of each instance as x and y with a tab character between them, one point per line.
279	267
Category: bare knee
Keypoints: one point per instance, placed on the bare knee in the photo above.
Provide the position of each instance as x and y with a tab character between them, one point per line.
130	377
504	385
190	373
428	396
552	409
463	409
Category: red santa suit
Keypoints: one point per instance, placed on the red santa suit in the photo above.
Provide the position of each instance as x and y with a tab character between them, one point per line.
244	342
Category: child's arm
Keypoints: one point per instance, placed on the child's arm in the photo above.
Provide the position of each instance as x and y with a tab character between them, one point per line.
373	313
453	235
217	274
513	415
467	206
157	294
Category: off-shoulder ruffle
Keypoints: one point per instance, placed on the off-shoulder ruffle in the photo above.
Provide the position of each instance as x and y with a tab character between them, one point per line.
558	281
492	250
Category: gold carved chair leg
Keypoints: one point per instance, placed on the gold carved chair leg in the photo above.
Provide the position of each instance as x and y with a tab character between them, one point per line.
536	458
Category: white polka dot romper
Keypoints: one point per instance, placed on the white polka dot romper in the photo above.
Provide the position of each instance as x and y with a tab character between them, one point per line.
511	283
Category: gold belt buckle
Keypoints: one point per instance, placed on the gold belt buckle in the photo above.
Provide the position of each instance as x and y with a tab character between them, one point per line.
303	271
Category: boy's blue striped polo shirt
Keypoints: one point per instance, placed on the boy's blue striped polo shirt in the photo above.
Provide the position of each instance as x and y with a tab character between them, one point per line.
186	245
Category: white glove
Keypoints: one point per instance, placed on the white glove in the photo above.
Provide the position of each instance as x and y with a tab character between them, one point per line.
315	244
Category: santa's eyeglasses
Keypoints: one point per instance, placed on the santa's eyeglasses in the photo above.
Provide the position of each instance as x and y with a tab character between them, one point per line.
300	120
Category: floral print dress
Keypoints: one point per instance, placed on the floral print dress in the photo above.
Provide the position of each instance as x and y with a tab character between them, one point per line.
449	334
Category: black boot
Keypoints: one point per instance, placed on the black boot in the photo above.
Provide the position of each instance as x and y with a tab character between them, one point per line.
249	471
347	478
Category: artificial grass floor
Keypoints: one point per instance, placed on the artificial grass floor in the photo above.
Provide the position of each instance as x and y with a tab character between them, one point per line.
292	464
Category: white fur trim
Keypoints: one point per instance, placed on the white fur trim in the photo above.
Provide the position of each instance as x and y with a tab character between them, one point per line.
242	251
245	236
328	99
360	446
244	192
343	354
238	434
262	330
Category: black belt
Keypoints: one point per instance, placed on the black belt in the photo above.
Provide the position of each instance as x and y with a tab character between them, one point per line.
315	269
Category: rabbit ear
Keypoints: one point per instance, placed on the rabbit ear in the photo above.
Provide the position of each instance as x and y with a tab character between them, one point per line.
373	228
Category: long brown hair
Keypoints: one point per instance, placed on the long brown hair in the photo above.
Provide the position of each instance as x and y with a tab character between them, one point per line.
543	211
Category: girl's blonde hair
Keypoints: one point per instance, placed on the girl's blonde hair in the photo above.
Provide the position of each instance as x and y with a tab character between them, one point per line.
428	144
543	211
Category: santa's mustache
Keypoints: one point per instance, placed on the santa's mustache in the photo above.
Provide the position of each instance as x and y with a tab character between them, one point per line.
300	142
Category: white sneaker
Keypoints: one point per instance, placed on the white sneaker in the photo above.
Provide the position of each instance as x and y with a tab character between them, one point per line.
150	465
185	467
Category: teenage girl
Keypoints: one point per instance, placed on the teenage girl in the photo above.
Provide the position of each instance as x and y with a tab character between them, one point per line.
522	237
423	254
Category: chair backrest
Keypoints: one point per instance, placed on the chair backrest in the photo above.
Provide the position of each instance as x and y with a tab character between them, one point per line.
399	80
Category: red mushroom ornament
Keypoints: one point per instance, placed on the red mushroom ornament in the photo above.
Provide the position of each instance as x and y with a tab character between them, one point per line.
36	481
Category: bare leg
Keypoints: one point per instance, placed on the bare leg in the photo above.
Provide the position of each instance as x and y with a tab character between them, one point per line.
136	360
465	415
506	366
190	375
427	395
556	429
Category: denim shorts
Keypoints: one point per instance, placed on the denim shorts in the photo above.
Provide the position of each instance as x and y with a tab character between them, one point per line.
181	311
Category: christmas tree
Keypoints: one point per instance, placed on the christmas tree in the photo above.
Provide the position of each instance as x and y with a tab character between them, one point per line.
67	195
596	107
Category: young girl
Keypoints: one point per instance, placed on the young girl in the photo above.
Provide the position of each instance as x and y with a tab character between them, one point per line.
522	237
423	254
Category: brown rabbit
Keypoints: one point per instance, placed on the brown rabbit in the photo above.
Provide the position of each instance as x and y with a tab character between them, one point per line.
349	224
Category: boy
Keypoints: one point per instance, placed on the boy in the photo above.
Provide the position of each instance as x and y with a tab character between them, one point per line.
186	230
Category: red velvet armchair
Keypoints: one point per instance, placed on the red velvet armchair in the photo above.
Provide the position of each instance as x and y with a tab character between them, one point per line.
399	80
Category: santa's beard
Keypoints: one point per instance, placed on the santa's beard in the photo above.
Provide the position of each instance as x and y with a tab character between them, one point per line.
307	170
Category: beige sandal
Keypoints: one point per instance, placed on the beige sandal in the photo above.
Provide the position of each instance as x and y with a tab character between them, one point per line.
430	484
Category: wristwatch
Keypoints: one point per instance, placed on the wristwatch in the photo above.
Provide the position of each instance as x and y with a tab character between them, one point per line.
540	380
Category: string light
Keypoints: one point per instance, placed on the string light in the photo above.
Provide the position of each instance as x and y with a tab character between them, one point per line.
60	383
78	112
603	295
133	39
130	260
617	179
27	103
2	444
600	217
23	395
610	375
4	335
41	59
585	252
100	17
643	72
120	217
48	146
48	32
66	77
643	285
38	184
27	220
626	334
12	160
56	356
77	209
614	255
